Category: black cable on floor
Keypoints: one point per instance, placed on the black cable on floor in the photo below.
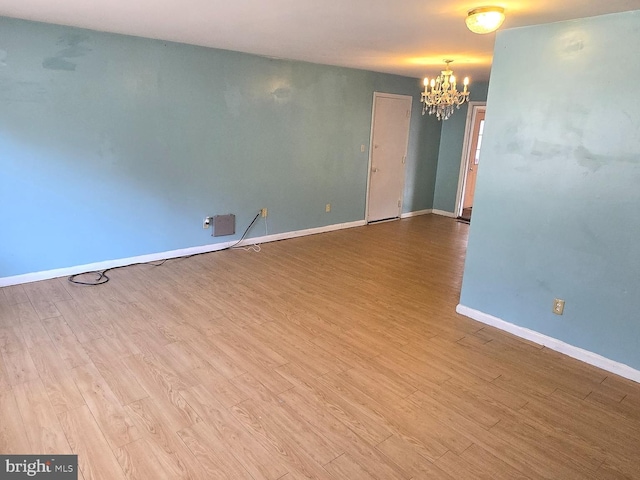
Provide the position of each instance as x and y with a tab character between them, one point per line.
103	278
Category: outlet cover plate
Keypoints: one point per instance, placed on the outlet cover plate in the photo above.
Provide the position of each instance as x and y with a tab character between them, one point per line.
558	306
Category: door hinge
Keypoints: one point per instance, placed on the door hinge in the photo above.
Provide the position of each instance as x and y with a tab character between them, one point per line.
399	203
408	113
404	159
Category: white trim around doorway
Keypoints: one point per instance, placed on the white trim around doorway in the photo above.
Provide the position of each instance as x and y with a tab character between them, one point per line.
472	111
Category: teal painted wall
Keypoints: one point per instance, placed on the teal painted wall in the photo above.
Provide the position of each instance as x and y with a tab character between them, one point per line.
114	146
424	143
557	200
450	154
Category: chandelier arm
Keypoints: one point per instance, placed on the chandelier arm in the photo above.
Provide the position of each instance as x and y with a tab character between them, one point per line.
461	99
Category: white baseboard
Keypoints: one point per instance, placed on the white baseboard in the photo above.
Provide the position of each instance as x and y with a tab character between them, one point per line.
153	257
416	213
443	213
553	343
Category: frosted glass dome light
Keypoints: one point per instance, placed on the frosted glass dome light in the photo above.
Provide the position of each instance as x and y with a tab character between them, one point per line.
485	19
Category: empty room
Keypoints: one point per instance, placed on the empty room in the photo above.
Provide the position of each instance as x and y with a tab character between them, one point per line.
252	240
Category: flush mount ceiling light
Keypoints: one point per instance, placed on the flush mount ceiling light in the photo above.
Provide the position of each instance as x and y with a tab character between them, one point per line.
485	19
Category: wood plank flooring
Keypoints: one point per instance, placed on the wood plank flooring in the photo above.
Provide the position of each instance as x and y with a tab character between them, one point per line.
333	356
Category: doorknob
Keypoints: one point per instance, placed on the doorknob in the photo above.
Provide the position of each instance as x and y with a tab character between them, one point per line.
374	170
471	169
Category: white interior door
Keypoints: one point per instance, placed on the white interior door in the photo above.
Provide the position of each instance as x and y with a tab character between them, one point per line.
389	140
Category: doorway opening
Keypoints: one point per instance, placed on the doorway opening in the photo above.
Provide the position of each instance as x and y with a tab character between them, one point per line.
470	161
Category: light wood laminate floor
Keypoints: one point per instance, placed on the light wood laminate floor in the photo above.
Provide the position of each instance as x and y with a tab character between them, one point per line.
333	356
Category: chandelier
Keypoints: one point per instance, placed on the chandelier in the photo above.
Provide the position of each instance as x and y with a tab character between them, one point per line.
441	96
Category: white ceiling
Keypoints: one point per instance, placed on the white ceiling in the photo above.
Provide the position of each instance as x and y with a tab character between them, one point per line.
406	37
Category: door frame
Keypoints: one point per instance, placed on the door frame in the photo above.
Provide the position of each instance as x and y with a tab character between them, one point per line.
472	111
404	163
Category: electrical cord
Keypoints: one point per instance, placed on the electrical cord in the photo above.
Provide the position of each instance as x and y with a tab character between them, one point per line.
102	277
252	248
245	232
255	247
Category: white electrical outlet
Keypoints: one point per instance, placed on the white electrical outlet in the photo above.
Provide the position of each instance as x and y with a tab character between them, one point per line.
327	207
558	306
206	223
